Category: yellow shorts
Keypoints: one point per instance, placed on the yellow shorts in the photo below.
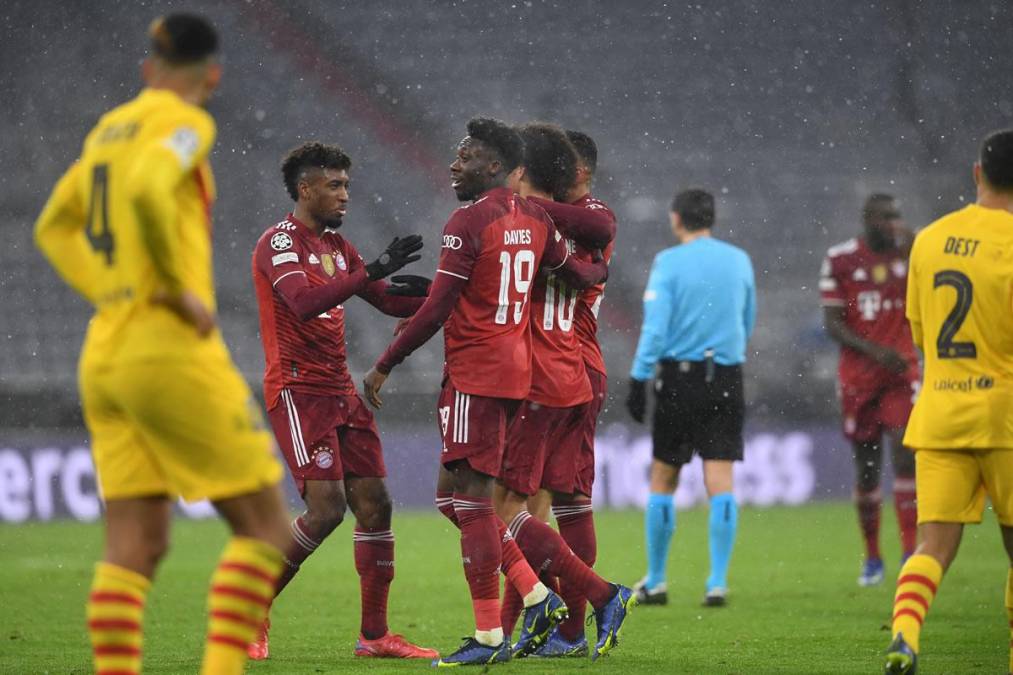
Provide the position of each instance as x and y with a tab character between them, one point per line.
952	485
189	429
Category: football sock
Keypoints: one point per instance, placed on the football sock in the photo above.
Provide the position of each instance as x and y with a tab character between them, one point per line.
241	591
1009	612
659	526
724	520
445	505
576	527
868	505
907	513
374	561
115	613
481	552
517	570
510	609
545	550
916	587
300	548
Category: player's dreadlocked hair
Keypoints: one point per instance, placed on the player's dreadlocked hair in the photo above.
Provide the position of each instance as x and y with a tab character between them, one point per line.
310	156
585	147
550	160
997	160
181	39
499	137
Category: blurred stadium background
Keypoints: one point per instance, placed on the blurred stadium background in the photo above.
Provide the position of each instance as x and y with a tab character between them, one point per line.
790	112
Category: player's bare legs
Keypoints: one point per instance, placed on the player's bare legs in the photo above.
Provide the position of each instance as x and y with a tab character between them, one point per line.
1007	540
904	491
137	533
868	459
724	518
257	515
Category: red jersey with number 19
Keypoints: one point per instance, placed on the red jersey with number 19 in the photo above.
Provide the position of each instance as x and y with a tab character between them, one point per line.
498	244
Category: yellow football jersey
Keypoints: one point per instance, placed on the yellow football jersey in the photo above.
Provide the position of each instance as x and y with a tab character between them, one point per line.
149	153
960	305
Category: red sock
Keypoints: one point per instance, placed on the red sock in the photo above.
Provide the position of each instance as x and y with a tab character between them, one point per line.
515	568
481	552
302	545
374	561
512	607
546	550
445	505
576	527
868	505
907	512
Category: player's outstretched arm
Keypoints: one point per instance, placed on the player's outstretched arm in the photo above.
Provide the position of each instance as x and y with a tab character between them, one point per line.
837	329
60	234
430	317
591	228
580	275
402	298
308	302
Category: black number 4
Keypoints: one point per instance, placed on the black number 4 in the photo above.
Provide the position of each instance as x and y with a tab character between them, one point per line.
97	230
945	345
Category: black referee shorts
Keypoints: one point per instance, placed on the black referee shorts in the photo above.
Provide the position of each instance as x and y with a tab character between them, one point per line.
699	407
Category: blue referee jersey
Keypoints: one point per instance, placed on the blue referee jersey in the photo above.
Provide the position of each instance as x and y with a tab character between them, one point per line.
700	297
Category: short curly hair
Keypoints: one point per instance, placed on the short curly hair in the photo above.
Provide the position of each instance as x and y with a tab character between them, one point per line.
309	156
550	160
499	137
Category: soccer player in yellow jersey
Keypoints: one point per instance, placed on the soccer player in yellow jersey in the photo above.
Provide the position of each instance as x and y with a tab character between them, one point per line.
960	304
169	415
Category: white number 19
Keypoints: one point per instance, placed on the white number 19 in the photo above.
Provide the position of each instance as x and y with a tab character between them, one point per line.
522	267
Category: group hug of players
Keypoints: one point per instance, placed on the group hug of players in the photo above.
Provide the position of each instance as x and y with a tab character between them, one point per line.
516	292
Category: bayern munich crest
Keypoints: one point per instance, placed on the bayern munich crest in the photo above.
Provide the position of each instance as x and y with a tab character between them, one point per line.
324	459
281	241
342	265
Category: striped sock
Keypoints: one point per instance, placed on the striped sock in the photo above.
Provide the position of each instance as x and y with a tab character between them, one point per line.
481	552
242	588
374	561
115	616
1009	613
916	587
302	545
445	505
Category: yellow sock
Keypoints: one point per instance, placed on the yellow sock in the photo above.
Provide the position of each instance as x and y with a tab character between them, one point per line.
115	615
916	587
242	589
1009	613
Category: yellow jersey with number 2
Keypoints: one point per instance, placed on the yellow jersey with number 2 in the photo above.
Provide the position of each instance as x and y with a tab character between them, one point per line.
92	234
960	305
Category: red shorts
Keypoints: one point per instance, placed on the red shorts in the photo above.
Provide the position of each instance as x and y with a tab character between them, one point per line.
326	437
585	463
542	447
473	428
868	412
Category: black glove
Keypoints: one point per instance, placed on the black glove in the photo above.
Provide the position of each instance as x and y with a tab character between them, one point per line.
410	285
636	400
397	255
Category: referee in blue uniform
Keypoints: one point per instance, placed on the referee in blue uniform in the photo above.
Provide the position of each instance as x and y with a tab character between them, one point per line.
699	311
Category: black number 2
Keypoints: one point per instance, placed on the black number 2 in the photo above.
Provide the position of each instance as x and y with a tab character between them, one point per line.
98	231
946	347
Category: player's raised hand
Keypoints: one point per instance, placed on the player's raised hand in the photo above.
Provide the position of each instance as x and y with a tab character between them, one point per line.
188	307
398	254
371	386
410	285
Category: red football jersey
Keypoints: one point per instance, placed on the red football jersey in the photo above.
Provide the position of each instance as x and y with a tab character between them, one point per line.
498	244
586	315
872	288
306	356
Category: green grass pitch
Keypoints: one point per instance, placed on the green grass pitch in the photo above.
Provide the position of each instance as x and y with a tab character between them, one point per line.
794	606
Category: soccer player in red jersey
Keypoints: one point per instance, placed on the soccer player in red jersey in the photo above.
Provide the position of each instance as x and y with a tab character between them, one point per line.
304	271
590	225
544	439
863	283
492	250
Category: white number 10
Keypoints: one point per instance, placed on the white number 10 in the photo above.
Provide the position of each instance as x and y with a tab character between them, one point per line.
522	267
567	299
